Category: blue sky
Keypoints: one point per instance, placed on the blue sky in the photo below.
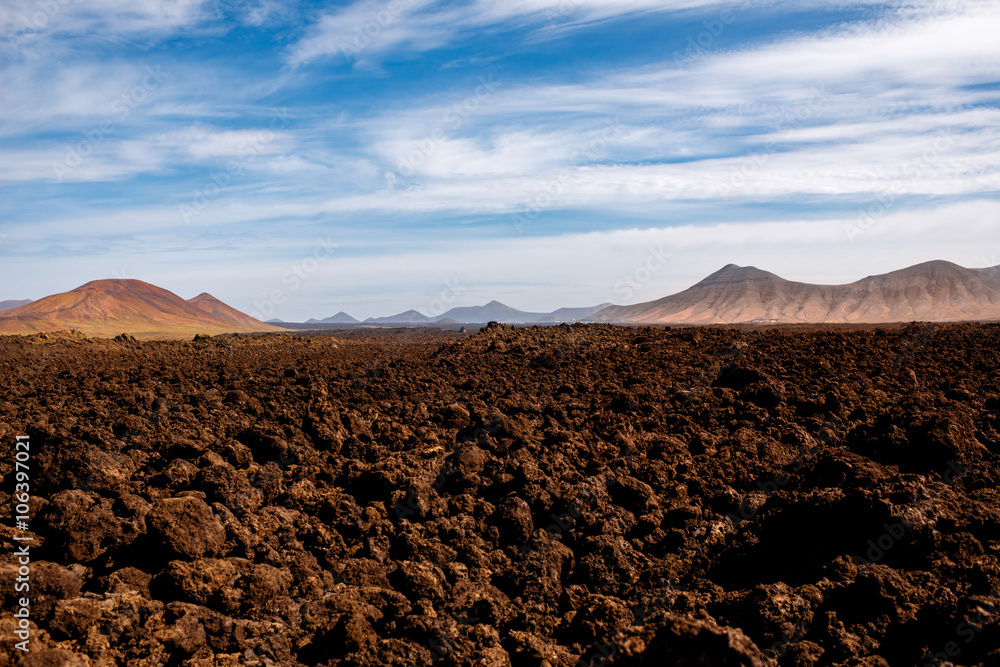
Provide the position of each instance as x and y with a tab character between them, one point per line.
297	159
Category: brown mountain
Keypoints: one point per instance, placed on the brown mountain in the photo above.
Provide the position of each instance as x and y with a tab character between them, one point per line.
932	291
110	307
13	303
222	311
991	271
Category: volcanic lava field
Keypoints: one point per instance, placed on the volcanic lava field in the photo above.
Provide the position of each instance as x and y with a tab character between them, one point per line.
543	496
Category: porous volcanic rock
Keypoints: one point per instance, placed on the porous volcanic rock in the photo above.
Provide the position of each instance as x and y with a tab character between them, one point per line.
544	496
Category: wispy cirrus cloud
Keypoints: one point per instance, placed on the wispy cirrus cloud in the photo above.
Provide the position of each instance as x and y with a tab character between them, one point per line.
28	26
367	30
850	112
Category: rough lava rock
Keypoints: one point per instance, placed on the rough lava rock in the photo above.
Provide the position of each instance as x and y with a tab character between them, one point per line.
567	496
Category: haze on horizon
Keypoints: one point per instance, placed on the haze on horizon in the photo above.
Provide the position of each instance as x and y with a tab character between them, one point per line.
375	157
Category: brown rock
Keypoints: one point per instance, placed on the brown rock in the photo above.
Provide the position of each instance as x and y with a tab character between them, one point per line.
50	583
72	617
80	525
186	527
515	521
685	640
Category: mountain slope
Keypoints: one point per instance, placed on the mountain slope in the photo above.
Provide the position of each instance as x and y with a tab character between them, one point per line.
570	314
993	271
407	317
932	291
110	307
13	303
222	312
494	311
339	318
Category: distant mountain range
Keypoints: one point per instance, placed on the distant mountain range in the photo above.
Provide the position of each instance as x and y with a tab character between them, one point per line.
339	318
111	307
935	291
494	311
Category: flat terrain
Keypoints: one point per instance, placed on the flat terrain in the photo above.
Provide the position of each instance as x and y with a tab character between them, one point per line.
558	496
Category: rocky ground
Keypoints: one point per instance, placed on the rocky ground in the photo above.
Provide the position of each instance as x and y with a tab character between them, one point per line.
560	496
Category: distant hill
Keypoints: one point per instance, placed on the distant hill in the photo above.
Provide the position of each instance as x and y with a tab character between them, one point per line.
571	314
7	305
110	307
339	318
408	317
932	291
494	311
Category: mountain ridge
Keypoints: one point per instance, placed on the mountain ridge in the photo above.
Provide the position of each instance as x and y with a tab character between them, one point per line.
494	311
930	291
113	306
339	318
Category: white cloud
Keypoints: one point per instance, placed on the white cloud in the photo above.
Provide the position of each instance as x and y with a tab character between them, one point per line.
562	270
368	29
25	22
887	88
100	156
586	269
371	26
852	112
37	96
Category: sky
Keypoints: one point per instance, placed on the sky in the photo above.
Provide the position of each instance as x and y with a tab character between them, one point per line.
297	159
